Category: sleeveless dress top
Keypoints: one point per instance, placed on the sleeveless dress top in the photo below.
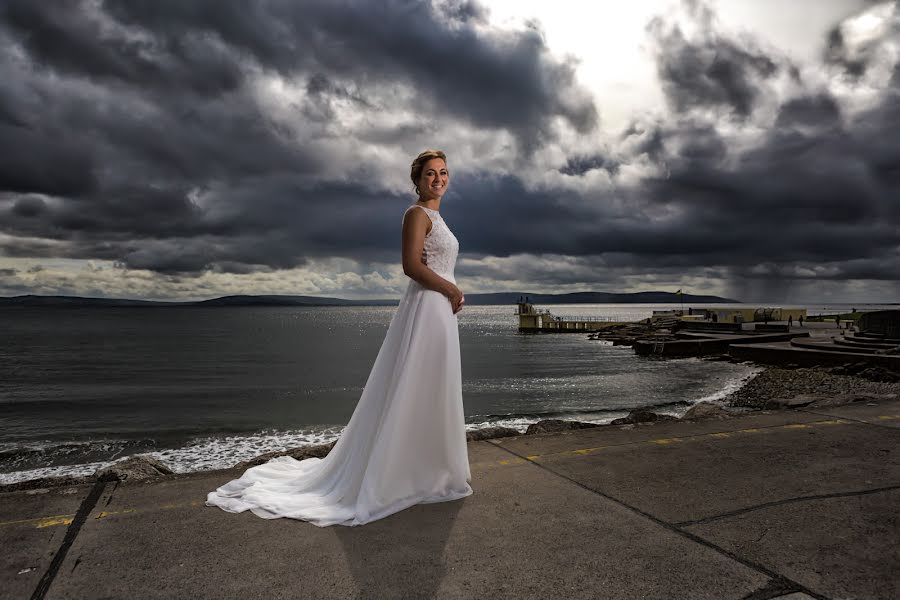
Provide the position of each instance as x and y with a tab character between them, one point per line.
441	246
405	443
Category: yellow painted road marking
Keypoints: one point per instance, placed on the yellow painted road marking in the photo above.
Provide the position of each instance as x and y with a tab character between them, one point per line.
41	522
669	441
103	514
53	521
37	520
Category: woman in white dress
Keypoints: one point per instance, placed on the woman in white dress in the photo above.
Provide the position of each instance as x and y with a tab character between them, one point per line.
406	442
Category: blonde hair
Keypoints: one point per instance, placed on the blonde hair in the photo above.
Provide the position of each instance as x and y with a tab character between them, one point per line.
418	164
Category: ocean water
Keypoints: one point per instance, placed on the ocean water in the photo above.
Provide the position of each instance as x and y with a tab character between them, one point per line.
205	388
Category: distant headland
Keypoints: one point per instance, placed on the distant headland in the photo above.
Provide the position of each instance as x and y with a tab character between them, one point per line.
496	298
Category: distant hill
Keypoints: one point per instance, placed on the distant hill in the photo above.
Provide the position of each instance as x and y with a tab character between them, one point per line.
31	300
278	300
265	300
596	298
497	298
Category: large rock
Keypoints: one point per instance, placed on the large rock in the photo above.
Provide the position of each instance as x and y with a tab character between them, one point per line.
48	482
554	425
797	401
868	372
641	415
301	453
830	399
706	410
490	433
879	374
134	468
839	399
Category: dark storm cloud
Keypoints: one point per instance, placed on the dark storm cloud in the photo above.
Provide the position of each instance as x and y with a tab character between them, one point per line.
28	206
33	162
72	39
714	71
811	197
579	165
145	143
818	188
836	53
505	80
123	112
855	60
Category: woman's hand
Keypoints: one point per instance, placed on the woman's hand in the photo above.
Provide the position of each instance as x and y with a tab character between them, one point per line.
456	299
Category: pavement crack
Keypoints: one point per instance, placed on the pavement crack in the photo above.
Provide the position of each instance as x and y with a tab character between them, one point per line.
87	505
775	588
787	582
764	505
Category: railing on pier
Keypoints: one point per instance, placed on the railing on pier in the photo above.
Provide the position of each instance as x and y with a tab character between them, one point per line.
534	319
603	319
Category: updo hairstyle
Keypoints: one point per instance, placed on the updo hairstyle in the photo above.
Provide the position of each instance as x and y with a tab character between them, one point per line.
419	164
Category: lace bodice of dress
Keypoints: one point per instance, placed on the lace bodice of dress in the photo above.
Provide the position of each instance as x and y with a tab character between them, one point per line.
441	246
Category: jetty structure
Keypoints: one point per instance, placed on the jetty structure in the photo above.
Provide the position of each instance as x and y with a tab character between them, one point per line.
535	320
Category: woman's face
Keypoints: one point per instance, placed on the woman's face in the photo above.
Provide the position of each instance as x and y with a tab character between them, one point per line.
434	179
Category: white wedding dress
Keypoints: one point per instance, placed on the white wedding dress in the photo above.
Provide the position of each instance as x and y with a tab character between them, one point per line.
405	443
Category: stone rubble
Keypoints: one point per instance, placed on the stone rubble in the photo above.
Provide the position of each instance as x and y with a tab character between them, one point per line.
775	387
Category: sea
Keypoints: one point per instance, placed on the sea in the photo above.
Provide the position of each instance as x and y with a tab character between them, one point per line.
202	388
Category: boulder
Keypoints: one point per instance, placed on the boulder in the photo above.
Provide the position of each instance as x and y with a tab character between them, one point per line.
791	401
134	468
301	453
641	415
47	482
839	399
490	433
554	425
706	410
879	374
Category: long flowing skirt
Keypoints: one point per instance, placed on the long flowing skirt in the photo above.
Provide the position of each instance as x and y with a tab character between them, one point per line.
405	443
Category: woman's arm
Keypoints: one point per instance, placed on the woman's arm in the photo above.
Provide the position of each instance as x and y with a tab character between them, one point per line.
415	227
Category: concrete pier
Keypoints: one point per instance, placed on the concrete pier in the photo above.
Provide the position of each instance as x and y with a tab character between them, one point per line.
535	320
793	504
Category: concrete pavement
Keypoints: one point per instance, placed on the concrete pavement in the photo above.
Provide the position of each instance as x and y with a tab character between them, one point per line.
792	504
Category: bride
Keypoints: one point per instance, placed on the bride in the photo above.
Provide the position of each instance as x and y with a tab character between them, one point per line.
405	443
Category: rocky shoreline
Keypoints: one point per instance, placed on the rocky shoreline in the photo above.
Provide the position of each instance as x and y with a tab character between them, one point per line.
774	388
143	468
779	387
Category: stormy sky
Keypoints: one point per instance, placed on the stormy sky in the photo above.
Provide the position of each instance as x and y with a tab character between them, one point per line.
188	150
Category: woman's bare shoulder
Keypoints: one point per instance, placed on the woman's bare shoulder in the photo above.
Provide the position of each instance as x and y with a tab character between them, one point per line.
416	218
